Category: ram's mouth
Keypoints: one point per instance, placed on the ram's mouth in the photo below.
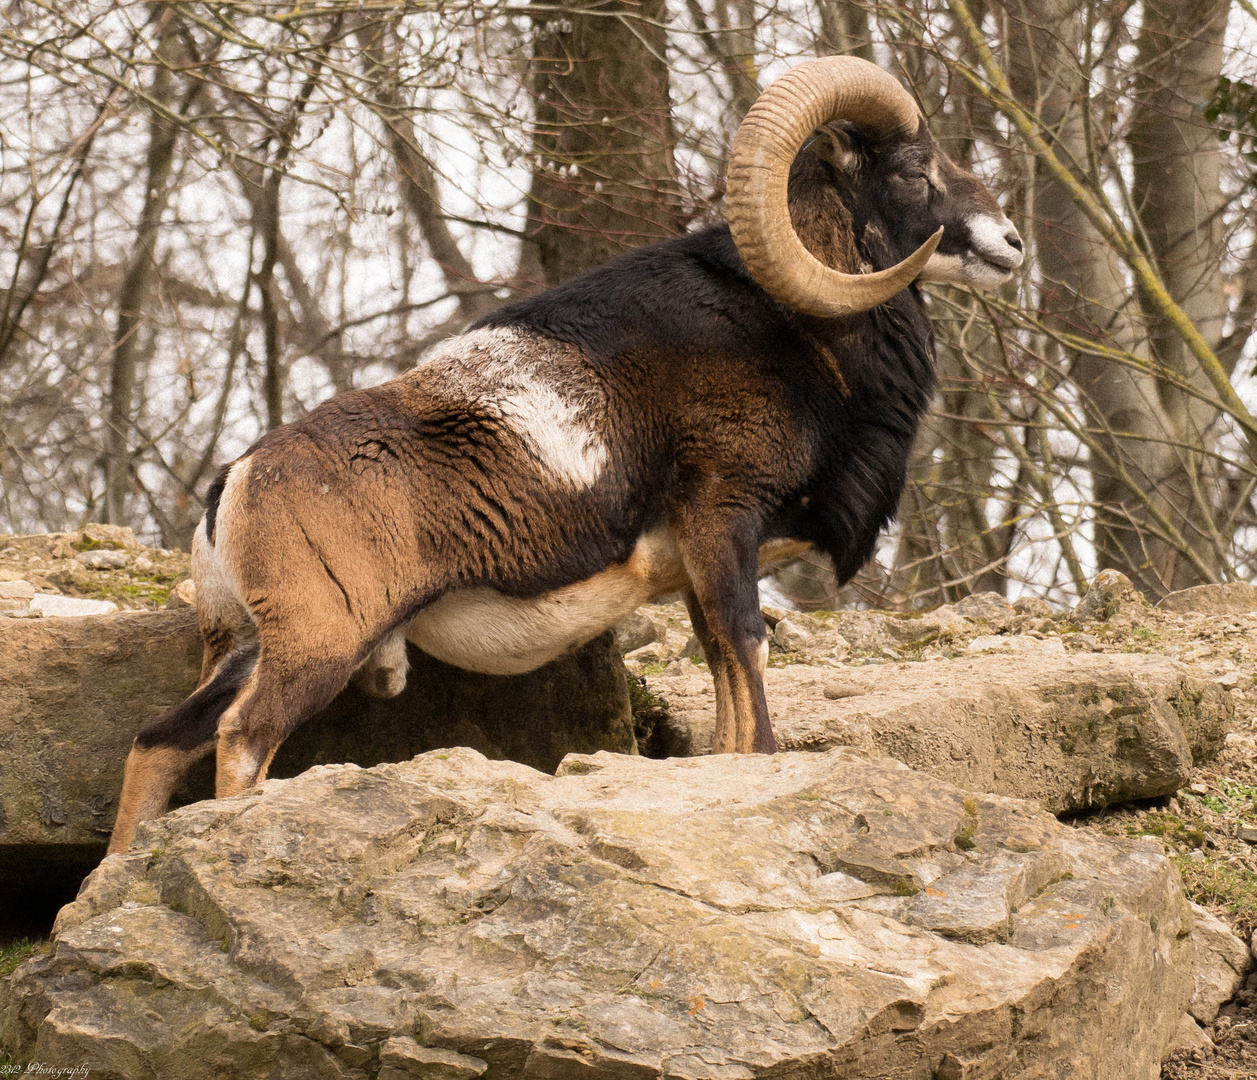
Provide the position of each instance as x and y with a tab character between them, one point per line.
1005	268
968	268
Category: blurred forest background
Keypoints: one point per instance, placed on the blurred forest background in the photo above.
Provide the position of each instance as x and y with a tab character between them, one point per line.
214	216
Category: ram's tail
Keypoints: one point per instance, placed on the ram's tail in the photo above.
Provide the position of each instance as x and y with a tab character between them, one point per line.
194	722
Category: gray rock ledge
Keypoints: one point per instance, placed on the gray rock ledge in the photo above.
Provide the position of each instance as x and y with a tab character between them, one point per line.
805	915
1073	731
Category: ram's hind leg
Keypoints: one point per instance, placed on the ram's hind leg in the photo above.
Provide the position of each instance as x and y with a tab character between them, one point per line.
165	749
298	672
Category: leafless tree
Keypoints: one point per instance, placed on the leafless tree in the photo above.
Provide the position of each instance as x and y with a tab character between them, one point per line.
216	215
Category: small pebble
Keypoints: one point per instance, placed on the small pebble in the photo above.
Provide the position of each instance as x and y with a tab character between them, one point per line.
836	691
842	647
772	615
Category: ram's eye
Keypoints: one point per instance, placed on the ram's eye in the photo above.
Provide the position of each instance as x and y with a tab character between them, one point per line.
913	176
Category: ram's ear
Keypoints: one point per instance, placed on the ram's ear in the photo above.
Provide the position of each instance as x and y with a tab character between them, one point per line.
836	146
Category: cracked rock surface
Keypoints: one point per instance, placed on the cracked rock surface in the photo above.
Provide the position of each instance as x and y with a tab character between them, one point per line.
825	914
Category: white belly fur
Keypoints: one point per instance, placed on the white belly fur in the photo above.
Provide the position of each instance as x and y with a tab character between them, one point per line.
485	630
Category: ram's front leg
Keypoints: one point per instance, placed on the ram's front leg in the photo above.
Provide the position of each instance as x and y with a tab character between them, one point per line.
724	611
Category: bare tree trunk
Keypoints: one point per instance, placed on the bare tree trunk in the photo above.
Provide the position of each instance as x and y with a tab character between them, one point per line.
604	179
17	298
1085	291
844	30
268	229
1179	197
975	550
163	136
315	333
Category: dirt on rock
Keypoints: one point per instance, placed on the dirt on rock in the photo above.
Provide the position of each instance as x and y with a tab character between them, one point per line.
97	562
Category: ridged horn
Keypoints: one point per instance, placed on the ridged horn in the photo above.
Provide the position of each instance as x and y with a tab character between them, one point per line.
805	97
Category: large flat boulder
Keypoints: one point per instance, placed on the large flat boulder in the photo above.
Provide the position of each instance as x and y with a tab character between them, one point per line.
1071	730
74	691
804	915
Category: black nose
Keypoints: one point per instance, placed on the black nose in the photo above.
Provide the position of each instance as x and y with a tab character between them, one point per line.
1013	240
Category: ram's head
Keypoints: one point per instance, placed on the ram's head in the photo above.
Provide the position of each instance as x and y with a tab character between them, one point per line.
938	221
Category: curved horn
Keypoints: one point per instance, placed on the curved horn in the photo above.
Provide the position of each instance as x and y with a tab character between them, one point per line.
807	96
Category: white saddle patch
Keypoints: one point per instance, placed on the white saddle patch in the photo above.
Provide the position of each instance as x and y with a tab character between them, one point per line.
538	387
553	431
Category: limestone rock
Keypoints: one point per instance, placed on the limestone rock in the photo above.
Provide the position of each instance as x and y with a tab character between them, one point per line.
1034	606
774	615
74	692
1220	964
16	590
1084	642
182	595
987	607
1071	730
97	563
793	634
872	631
1111	596
69	574
111	536
1232	598
637	631
401	1058
49	604
103	559
1189	1036
722	917
842	647
866	631
1015	643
